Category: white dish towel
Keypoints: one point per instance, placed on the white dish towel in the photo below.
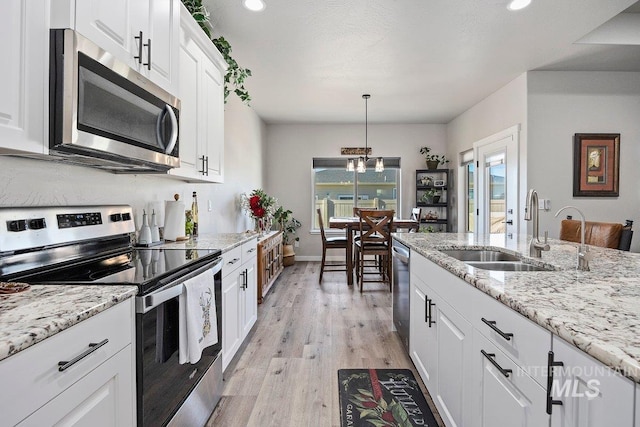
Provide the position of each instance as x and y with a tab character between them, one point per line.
198	322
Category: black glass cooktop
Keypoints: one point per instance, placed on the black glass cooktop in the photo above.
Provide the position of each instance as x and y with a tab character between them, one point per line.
144	267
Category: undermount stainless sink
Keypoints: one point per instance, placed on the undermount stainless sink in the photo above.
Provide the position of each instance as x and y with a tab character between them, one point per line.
484	255
506	266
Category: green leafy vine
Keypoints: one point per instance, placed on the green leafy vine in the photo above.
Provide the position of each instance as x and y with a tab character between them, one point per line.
236	75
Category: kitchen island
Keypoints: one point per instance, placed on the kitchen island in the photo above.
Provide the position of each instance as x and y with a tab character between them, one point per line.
556	345
598	311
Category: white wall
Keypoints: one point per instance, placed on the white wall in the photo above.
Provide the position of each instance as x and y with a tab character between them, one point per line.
564	103
25	182
291	148
504	108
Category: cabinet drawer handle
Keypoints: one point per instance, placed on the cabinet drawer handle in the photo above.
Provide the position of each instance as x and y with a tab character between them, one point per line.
64	365
550	364
139	55
148	46
233	261
428	314
244	280
491	358
204	166
251	250
492	324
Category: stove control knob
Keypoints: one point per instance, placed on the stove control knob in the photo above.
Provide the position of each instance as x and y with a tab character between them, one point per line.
126	216
37	224
116	217
17	225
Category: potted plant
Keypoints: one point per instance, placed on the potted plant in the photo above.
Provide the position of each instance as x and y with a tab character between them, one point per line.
431	196
236	75
433	160
289	226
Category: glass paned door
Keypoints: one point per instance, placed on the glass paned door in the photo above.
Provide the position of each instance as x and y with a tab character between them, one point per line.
496	185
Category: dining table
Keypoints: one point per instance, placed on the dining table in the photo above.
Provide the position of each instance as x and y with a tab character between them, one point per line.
351	223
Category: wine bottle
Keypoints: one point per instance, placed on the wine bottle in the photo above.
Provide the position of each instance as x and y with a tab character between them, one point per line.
194	214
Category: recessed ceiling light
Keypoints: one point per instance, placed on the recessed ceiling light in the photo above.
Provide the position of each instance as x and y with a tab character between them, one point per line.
518	4
254	5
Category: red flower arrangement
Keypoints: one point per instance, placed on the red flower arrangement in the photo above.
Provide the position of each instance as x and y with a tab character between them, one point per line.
259	204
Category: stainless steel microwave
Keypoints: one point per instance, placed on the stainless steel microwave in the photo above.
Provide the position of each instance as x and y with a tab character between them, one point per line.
104	114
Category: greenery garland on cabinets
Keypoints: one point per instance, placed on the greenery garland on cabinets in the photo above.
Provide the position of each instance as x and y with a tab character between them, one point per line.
236	75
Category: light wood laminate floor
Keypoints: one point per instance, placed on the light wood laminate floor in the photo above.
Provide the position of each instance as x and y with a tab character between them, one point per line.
286	372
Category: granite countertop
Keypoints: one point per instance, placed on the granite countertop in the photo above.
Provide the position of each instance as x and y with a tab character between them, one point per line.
207	241
29	317
597	311
41	311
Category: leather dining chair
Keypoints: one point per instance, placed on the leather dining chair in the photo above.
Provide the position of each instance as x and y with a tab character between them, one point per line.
603	234
338	242
375	240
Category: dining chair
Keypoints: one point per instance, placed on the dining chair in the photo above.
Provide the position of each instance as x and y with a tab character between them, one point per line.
338	242
604	234
416	215
375	228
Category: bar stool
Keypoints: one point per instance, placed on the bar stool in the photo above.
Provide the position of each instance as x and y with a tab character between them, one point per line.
330	243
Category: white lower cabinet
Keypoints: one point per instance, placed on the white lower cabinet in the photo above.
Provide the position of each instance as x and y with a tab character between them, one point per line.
422	334
95	400
591	394
95	390
503	394
637	411
250	289
239	298
441	347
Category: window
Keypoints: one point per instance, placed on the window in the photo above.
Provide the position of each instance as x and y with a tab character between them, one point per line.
336	192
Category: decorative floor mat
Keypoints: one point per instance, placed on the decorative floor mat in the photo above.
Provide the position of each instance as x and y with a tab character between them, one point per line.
382	398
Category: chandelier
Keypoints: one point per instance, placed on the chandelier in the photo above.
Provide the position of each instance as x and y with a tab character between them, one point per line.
362	160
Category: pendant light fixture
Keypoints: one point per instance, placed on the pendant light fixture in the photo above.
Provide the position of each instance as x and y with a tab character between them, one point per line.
362	160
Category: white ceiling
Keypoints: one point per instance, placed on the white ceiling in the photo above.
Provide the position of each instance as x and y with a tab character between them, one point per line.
422	61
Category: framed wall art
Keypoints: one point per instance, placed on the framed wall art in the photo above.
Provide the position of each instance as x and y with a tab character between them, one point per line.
596	164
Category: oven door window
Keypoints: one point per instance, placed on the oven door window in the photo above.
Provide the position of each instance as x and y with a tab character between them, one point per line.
112	107
165	383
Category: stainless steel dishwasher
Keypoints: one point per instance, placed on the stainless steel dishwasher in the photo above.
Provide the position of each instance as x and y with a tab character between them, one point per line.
401	291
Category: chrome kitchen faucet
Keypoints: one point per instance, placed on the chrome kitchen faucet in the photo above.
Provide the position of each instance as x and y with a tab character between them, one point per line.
584	256
531	214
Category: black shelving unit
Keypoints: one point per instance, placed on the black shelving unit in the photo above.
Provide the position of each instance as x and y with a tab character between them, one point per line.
435	213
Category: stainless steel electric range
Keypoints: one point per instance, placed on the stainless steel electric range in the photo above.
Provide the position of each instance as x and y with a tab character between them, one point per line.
91	245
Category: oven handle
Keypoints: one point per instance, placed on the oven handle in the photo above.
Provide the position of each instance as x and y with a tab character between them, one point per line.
171	290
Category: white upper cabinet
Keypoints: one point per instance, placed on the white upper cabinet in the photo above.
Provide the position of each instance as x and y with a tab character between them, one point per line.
141	33
24	38
201	93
